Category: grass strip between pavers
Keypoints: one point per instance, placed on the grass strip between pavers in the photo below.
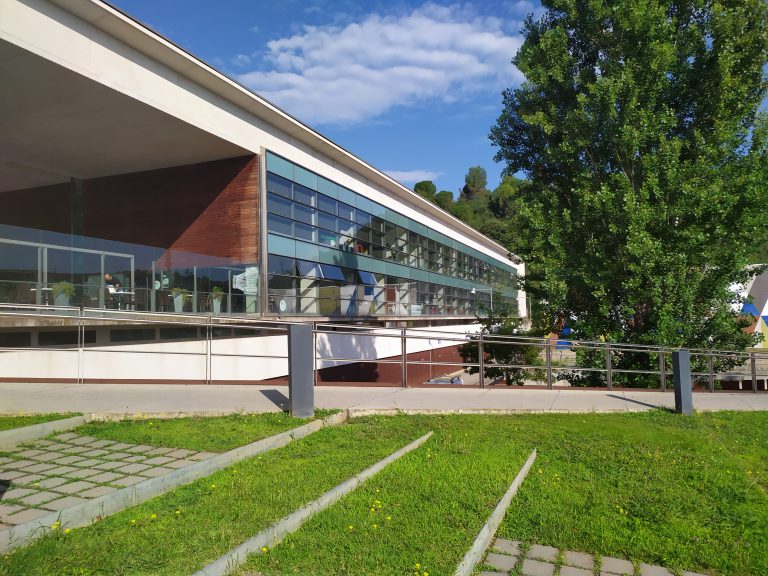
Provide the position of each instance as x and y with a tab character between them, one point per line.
210	434
419	515
182	531
11	422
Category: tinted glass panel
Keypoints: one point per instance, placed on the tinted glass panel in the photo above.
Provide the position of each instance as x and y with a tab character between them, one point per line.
279	225
303	214
303	194
304	231
278	185
281	265
326	221
309	269
332	272
366	277
278	205
326	204
346	211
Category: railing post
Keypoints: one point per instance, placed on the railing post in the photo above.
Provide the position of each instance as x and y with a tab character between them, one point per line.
681	366
404	357
208	346
481	360
301	393
711	369
548	357
753	368
663	369
608	366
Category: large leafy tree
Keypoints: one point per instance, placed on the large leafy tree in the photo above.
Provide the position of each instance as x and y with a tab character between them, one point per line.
647	162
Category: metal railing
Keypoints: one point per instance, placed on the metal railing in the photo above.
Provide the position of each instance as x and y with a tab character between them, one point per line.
211	349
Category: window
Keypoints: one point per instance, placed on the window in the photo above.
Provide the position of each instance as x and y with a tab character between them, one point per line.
278	205
278	185
304	231
279	225
326	204
332	272
309	269
281	265
303	214
367	277
346	211
303	194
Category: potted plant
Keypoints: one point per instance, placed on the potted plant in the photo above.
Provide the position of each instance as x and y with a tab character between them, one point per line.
179	296
62	293
217	294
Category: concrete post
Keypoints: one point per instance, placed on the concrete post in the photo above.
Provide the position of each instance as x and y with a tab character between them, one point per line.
681	367
301	365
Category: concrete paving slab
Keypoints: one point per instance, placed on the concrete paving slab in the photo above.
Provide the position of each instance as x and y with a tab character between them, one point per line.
201	456
80	441
132	468
26	515
617	566
98	491
52	482
179	463
155	472
12	474
34	468
539	552
42	442
63	503
97	453
537	568
30	453
488	573
118	456
102	444
61	470
501	561
109	465
180	453
39	498
573	571
15	493
69	460
121	446
3	460
57	447
105	477
74	487
89	463
141	448
579	560
17	464
158	460
66	436
128	480
28	479
77	449
511	547
135	458
82	473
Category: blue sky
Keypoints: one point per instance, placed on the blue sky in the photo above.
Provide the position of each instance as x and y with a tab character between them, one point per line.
411	87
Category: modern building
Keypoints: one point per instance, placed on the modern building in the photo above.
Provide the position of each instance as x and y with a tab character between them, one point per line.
122	154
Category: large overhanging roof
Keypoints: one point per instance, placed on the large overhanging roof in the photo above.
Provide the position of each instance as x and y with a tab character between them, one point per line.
145	131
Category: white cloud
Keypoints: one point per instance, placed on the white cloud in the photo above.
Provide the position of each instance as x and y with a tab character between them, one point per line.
411	176
347	74
242	60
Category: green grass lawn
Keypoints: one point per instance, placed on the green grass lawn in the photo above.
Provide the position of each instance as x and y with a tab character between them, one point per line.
182	531
688	493
217	434
10	422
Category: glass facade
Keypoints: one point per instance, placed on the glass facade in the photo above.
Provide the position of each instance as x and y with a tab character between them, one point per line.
334	252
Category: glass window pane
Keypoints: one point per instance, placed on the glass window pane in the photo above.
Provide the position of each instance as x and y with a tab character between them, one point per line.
278	185
303	214
346	211
278	205
367	277
303	194
326	221
332	272
326	204
362	217
279	225
346	227
309	269
327	238
304	231
281	265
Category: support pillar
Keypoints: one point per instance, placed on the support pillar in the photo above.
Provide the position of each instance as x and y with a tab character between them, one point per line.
681	367
301	368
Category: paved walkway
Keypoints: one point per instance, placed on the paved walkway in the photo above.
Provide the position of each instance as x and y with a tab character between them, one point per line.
508	555
44	476
170	398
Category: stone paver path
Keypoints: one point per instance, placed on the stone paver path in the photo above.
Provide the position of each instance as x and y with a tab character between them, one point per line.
44	476
511	558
